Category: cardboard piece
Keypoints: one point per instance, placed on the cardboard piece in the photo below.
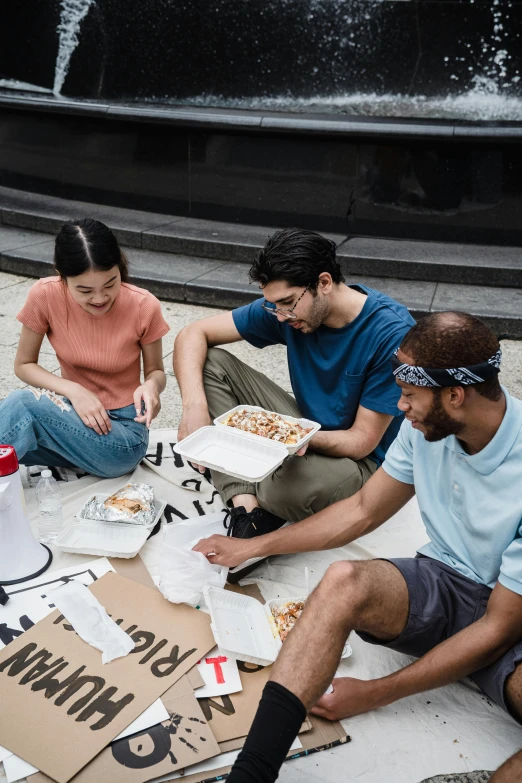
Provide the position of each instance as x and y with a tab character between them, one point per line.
184	740
323	736
54	685
133	568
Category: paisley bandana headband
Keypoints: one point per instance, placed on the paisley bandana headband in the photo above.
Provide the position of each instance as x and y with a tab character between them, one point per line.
456	376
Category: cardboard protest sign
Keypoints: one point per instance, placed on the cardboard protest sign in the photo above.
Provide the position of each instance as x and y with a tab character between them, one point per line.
231	716
184	740
55	685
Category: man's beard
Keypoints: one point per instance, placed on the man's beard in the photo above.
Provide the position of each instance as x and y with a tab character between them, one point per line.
438	423
316	316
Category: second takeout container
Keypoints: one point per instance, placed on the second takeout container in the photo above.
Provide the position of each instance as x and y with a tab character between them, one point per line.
314	426
244	628
108	539
236	453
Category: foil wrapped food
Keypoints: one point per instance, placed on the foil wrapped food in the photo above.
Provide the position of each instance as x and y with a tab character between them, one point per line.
133	503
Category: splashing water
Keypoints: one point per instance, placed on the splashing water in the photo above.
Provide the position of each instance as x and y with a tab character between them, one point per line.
476	104
72	13
14	84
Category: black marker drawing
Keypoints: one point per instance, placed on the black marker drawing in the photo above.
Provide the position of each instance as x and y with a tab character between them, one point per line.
136	753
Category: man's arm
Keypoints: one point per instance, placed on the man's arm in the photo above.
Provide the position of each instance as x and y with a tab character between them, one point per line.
190	352
339	524
479	645
361	439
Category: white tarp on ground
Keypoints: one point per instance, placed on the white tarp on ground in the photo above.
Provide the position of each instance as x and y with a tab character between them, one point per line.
453	729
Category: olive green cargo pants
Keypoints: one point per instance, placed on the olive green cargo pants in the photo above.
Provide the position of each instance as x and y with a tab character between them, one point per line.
301	486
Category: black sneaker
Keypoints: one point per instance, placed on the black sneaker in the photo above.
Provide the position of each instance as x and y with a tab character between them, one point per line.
241	523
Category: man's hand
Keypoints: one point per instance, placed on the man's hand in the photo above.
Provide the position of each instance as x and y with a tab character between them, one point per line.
350	697
192	419
147	395
90	409
225	550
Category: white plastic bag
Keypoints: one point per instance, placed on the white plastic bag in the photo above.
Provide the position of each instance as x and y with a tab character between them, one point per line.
184	573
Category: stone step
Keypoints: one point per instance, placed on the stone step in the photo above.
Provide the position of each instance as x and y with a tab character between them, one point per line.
225	284
403	259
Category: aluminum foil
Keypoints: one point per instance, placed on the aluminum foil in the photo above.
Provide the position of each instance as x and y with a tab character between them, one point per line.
133	503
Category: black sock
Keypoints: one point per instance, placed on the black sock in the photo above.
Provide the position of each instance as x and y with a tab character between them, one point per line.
278	719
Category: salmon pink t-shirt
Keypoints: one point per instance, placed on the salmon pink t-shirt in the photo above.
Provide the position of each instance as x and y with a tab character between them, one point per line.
100	352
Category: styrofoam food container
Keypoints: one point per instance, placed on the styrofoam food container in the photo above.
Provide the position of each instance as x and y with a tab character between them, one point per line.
159	506
242	626
292	448
230	451
108	539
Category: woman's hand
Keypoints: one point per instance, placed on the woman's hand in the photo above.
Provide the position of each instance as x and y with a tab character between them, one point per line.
90	409
148	395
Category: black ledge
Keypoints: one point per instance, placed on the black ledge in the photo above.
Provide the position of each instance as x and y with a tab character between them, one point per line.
266	122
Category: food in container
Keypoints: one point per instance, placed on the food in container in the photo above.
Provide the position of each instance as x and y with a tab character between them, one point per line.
244	628
285	617
133	503
267	425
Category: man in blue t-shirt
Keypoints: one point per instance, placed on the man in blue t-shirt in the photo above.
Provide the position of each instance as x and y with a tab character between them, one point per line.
339	340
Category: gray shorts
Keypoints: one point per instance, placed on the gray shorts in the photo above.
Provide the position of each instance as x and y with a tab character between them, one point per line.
442	603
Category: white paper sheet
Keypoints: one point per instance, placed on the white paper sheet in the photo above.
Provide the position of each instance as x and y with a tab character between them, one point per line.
91	622
220	673
153	715
16	768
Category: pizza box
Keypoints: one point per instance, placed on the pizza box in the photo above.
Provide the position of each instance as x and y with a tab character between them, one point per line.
313	426
236	453
244	628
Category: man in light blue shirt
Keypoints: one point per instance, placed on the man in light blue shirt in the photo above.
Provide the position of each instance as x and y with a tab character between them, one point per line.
457	606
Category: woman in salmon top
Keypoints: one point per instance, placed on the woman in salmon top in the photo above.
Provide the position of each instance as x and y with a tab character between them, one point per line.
96	415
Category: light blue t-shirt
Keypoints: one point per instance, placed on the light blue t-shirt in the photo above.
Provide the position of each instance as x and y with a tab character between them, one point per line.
333	371
471	505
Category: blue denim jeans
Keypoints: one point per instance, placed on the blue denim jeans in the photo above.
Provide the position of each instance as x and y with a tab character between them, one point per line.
45	433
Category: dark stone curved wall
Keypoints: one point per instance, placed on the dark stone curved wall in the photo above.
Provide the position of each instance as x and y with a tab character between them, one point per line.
181	49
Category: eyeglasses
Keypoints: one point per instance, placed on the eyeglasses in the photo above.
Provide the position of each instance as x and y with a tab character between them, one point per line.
289	314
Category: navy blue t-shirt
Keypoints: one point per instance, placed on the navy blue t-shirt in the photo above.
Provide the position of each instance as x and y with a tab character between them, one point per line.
333	371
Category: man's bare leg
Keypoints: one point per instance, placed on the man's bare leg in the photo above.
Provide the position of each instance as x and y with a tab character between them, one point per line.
370	596
248	501
510	771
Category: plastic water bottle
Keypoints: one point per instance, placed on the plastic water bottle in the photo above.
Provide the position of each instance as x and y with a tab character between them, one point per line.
49	500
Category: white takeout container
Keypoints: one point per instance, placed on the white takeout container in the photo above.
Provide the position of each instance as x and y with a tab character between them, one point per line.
108	539
290	448
244	628
236	453
159	507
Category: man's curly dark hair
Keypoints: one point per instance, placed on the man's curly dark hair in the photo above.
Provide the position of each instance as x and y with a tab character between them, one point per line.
298	257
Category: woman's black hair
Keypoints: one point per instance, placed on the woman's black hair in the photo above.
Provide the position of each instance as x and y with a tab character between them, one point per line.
298	257
87	244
